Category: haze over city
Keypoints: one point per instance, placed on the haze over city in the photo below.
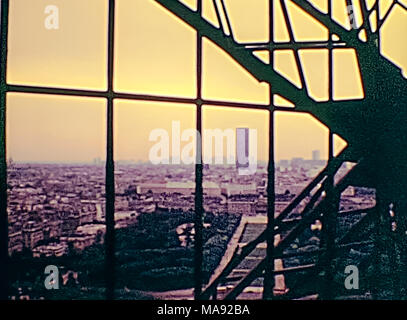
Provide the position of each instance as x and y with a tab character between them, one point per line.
63	129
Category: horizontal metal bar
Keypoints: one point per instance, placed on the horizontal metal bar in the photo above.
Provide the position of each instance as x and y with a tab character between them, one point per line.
128	96
56	91
141	97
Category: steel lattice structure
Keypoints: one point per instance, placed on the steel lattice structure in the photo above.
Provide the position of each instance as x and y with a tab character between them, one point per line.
377	146
374	128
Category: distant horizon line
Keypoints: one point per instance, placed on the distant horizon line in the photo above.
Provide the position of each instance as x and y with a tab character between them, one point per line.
102	162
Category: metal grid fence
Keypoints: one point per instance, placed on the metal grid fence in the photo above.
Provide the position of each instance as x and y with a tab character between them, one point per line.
110	95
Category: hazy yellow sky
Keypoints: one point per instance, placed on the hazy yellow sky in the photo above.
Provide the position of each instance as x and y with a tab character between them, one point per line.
155	54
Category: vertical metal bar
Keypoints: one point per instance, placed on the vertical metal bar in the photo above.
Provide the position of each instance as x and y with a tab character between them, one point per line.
198	223
330	69
380	224
329	218
110	187
400	208
329	231
268	289
3	162
229	25
376	283
283	6
377	33
329	225
384	278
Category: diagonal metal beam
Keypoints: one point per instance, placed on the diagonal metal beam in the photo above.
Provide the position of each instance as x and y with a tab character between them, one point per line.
288	22
279	222
348	36
258	69
365	20
305	221
360	226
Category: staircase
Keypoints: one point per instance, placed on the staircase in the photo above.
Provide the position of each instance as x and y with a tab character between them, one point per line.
243	276
253	227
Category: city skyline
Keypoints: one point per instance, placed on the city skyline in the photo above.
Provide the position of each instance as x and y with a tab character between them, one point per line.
99	161
62	133
38	56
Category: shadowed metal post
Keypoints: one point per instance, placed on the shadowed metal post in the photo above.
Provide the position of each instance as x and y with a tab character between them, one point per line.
3	160
199	214
329	217
110	187
269	281
329	221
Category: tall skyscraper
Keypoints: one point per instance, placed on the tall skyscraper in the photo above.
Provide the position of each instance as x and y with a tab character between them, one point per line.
316	155
242	147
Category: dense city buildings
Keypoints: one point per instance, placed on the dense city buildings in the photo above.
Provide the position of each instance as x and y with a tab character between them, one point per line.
57	208
48	204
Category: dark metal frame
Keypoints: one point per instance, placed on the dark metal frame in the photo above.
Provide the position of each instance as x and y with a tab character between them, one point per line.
110	95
